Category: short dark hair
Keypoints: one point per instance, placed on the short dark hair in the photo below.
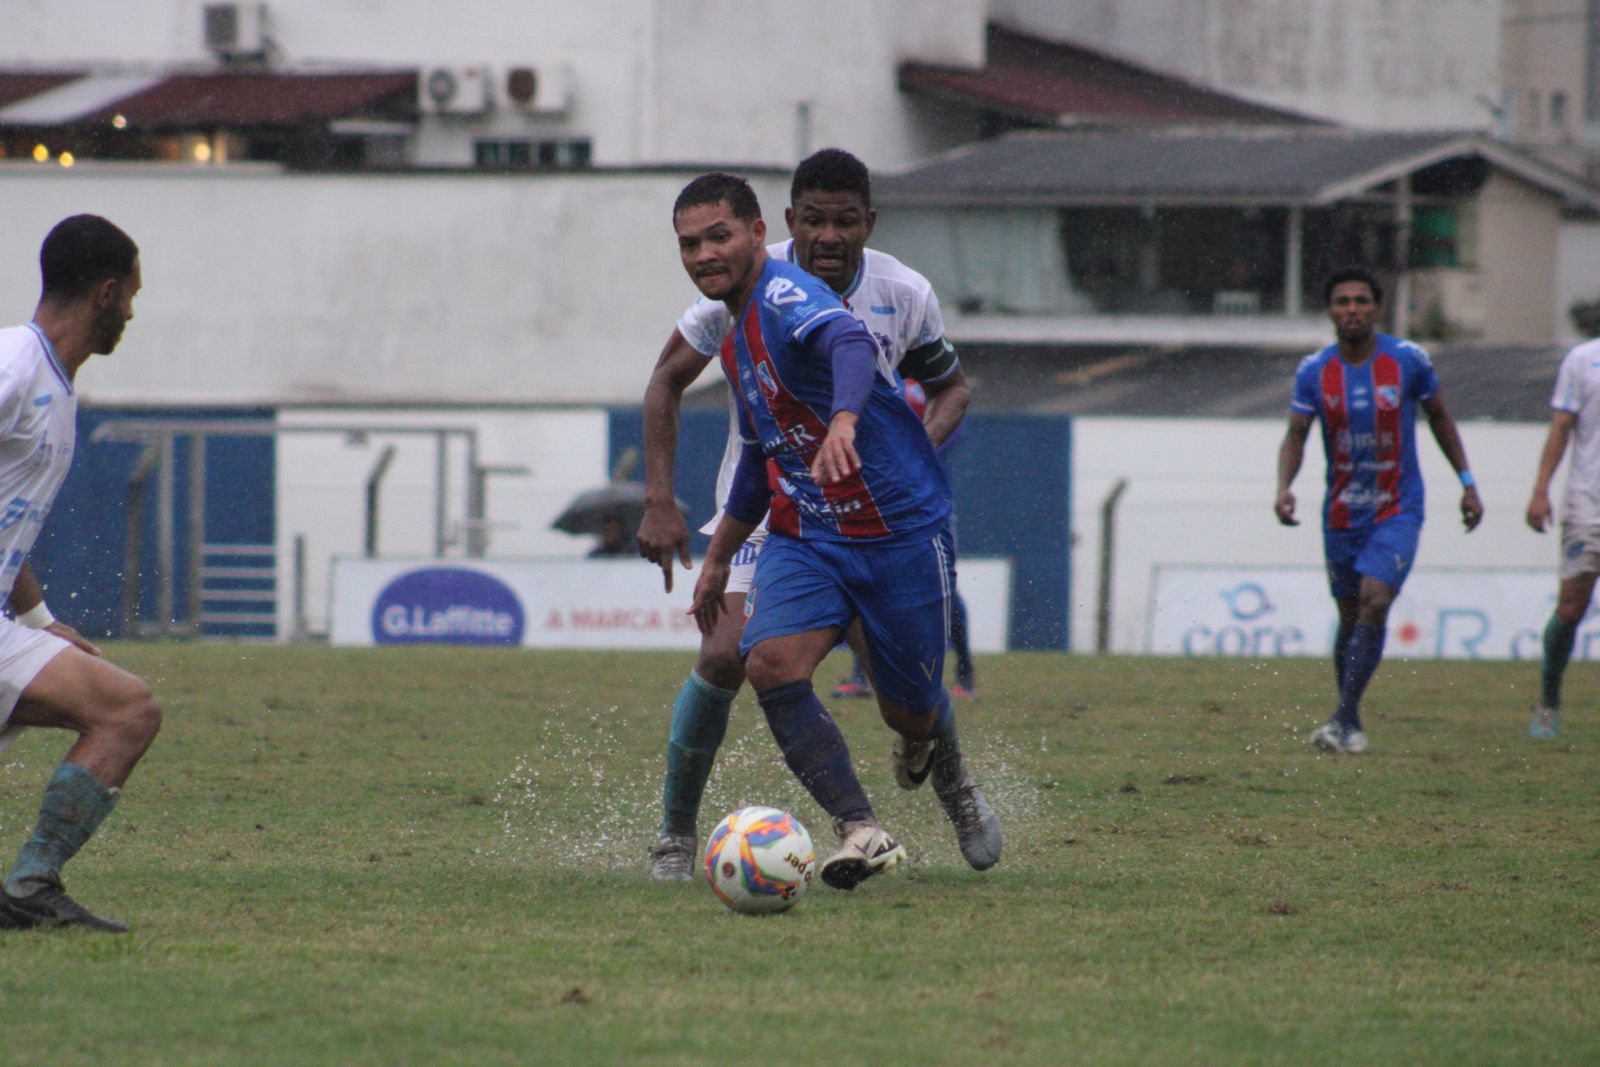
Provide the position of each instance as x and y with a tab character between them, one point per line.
719	187
81	251
832	170
1351	274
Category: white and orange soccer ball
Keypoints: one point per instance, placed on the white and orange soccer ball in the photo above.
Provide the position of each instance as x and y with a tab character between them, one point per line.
759	861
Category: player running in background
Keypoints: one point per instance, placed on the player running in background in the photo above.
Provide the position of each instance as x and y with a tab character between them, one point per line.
830	218
1365	390
1576	418
49	675
857	684
864	533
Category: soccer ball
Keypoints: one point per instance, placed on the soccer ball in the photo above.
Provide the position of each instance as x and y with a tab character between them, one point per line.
759	861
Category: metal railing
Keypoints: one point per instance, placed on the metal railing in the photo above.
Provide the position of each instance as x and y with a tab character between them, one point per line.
157	461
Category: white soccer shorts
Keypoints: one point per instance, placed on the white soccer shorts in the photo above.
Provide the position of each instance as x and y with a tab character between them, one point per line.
23	654
1580	551
743	573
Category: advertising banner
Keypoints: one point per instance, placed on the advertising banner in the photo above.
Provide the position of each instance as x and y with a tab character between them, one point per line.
1440	614
612	604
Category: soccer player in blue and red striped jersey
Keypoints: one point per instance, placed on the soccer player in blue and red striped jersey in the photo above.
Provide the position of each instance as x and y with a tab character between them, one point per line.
1365	390
859	529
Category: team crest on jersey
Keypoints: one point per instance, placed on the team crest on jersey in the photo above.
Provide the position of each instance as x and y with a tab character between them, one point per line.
1388	397
769	384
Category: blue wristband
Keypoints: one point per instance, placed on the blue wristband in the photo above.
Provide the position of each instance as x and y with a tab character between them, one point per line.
1467	480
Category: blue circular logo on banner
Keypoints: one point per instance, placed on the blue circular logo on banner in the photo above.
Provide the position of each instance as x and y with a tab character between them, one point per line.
447	606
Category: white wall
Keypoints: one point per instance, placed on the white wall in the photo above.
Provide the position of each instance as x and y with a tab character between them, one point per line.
1377	63
656	80
265	288
1201	491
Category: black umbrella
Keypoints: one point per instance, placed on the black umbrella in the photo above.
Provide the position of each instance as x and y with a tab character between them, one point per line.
619	500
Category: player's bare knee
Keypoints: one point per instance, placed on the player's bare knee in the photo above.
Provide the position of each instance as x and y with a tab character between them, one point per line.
721	667
137	718
767	671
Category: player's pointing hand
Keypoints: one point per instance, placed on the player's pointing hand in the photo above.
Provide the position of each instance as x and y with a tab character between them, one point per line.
663	535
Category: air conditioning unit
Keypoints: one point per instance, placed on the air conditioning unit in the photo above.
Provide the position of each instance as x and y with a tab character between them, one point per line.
236	31
455	90
541	90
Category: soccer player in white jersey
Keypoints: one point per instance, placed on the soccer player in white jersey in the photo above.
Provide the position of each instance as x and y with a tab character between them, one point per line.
830	219
1575	418
49	675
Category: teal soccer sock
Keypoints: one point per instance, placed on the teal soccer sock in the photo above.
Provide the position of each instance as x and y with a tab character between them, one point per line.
1558	640
699	723
75	805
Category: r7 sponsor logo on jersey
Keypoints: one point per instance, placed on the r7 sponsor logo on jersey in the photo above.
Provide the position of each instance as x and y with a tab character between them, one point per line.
781	291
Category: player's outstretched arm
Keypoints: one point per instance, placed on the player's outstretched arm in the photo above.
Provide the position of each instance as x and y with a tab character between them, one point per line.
663	534
27	597
1449	438
1291	454
1562	424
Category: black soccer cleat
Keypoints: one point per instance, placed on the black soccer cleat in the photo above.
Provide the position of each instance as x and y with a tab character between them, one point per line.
11	919
51	907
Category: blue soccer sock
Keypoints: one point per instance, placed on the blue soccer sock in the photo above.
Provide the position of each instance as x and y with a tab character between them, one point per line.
1362	657
1559	638
699	723
75	804
1341	652
815	750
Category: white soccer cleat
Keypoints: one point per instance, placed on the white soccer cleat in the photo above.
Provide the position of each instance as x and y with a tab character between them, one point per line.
1329	737
672	858
866	850
977	826
1546	722
1355	742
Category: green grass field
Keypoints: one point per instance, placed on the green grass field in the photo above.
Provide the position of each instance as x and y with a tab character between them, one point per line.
437	856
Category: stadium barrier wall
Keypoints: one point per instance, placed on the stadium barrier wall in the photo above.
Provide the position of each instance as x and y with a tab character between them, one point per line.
612	604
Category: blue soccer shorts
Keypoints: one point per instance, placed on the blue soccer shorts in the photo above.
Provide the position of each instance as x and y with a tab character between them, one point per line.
901	592
1385	551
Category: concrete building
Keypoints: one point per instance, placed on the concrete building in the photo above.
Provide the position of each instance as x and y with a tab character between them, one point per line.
610	82
1375	64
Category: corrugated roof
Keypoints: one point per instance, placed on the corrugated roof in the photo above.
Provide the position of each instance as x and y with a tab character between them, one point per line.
1031	79
226	99
1501	382
1273	165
